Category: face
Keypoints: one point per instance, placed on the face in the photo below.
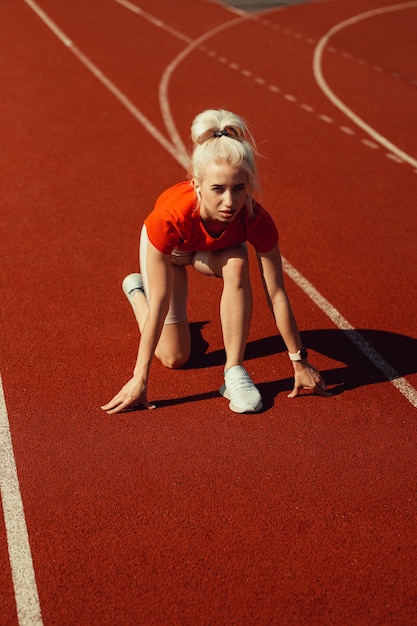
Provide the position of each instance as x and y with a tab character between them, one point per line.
222	193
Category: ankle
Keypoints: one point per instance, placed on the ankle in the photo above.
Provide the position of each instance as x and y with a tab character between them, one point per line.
229	366
136	297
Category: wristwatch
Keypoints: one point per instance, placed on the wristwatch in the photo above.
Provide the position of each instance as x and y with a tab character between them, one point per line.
298	356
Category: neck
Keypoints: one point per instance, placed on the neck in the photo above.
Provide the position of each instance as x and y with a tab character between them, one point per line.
213	227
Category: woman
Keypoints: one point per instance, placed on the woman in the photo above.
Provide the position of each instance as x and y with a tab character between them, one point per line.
205	223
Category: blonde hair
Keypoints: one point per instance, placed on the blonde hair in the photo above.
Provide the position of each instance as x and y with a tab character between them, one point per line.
221	136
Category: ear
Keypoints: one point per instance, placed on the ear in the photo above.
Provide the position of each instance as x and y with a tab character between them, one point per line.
196	186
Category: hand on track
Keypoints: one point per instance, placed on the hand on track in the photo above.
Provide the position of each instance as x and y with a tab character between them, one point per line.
307	377
134	392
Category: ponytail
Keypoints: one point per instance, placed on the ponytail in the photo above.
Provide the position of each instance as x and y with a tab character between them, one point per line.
221	136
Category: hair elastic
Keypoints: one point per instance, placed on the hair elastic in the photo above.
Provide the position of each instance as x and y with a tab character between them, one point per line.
221	133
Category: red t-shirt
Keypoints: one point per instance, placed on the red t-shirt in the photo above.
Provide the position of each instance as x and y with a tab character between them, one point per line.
175	223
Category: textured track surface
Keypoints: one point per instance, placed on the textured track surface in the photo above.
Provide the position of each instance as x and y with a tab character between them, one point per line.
305	513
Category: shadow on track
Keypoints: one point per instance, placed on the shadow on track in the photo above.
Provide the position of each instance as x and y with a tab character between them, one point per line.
398	350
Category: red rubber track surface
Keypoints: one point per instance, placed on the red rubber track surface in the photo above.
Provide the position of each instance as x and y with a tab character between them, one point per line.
190	514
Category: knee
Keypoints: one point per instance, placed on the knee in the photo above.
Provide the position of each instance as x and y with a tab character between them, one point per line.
236	270
174	346
174	361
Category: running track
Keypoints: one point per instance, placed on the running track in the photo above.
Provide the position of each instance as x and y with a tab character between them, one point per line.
304	514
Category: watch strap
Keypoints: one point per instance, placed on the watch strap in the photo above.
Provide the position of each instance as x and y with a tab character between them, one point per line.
298	356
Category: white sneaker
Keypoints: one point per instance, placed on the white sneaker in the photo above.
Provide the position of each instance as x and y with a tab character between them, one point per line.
132	283
240	390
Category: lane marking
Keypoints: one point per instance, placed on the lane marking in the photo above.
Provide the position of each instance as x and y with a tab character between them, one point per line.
154	20
166	77
319	76
23	574
177	149
332	313
123	99
275	89
235	66
24	580
347	130
355	337
326	118
308	108
342	53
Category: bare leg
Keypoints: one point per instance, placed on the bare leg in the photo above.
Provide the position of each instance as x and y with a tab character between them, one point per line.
174	346
235	309
236	301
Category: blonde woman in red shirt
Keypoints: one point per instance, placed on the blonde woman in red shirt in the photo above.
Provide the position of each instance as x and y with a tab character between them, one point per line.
205	222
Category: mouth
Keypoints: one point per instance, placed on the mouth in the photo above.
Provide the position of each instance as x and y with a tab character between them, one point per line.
227	214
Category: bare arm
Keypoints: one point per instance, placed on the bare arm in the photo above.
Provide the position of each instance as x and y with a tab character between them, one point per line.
160	281
305	375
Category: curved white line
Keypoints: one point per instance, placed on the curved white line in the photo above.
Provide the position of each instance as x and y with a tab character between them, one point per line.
27	599
164	83
318	74
332	313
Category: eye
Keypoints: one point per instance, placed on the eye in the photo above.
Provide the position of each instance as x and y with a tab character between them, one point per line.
218	188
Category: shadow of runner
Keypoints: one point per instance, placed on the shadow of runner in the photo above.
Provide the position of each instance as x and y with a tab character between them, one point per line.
399	351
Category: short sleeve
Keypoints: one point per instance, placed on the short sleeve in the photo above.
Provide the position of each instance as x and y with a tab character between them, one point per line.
262	232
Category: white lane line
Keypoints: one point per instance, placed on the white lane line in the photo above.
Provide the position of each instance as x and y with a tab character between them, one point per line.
326	118
347	130
128	104
308	108
180	153
166	77
177	150
373	356
318	74
342	53
24	581
23	573
153	20
355	337
123	99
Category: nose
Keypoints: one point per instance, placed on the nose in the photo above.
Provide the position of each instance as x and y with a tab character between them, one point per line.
228	199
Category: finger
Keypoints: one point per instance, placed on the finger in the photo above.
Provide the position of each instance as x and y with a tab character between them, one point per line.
143	401
115	401
294	392
116	407
110	404
321	388
119	402
119	405
323	391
